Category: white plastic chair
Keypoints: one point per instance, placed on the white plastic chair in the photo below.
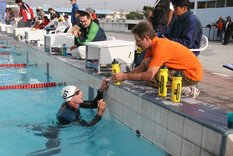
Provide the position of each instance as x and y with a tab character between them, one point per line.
203	45
60	29
110	38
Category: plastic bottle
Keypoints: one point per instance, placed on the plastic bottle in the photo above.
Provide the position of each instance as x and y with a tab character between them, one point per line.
176	87
163	78
116	69
64	50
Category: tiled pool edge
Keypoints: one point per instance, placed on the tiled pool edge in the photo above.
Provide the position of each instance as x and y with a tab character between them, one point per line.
170	131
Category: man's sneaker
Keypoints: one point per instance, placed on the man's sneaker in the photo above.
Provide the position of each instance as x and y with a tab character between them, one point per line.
191	92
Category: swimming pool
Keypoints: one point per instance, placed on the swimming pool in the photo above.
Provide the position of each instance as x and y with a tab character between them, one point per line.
28	123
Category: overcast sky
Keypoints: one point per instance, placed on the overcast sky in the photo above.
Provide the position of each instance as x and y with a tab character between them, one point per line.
126	5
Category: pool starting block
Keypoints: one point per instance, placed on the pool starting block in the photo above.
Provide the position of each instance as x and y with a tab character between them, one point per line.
102	53
56	41
36	36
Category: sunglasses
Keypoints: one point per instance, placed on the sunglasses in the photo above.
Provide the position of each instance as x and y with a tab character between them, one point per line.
76	93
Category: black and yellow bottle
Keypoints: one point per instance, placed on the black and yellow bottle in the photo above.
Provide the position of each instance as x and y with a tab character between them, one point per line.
176	87
116	69
163	78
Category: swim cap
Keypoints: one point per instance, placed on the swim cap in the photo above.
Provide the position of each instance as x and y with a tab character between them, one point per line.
39	8
67	92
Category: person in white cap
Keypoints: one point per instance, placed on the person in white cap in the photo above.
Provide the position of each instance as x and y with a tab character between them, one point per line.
69	112
92	14
40	12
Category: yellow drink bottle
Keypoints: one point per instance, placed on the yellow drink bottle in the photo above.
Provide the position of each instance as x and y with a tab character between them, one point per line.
163	78
116	69
139	50
176	87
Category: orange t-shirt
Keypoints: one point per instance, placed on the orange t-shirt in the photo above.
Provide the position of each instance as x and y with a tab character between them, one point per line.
174	56
220	25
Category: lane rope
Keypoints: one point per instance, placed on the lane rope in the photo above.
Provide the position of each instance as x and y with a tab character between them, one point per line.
4	47
30	86
13	65
4	53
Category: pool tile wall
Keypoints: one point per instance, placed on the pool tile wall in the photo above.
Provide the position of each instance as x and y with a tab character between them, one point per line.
167	128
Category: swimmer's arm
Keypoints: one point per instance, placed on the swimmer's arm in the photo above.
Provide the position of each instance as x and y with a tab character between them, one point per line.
93	122
92	104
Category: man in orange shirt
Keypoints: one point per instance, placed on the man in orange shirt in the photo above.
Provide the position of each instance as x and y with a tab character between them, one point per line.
161	51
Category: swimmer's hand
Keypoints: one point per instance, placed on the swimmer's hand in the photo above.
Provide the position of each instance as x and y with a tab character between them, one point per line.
104	85
101	107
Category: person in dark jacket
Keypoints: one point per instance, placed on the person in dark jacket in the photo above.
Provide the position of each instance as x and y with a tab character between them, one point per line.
187	28
70	109
161	16
228	28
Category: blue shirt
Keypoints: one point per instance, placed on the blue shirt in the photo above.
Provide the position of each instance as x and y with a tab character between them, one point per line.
73	18
187	30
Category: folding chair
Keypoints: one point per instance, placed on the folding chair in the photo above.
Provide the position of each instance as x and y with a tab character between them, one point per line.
203	45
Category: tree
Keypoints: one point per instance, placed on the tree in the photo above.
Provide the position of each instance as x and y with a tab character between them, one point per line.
146	10
134	15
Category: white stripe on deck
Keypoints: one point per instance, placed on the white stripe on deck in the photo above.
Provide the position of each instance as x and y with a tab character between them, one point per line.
223	75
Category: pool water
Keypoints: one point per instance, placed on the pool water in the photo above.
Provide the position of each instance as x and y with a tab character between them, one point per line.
28	122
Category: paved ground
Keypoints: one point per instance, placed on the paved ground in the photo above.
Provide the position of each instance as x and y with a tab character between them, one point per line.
217	84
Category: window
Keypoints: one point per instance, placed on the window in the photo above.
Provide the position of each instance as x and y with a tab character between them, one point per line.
229	3
211	4
220	3
201	5
191	5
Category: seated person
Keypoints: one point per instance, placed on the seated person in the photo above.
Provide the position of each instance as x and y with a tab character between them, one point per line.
90	32
161	51
187	28
64	25
36	23
52	25
40	12
70	109
44	23
53	14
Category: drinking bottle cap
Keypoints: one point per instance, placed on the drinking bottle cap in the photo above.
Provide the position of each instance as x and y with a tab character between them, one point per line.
114	61
163	66
177	74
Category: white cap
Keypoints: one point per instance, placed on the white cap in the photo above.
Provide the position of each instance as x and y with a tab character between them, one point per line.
39	8
67	92
89	10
